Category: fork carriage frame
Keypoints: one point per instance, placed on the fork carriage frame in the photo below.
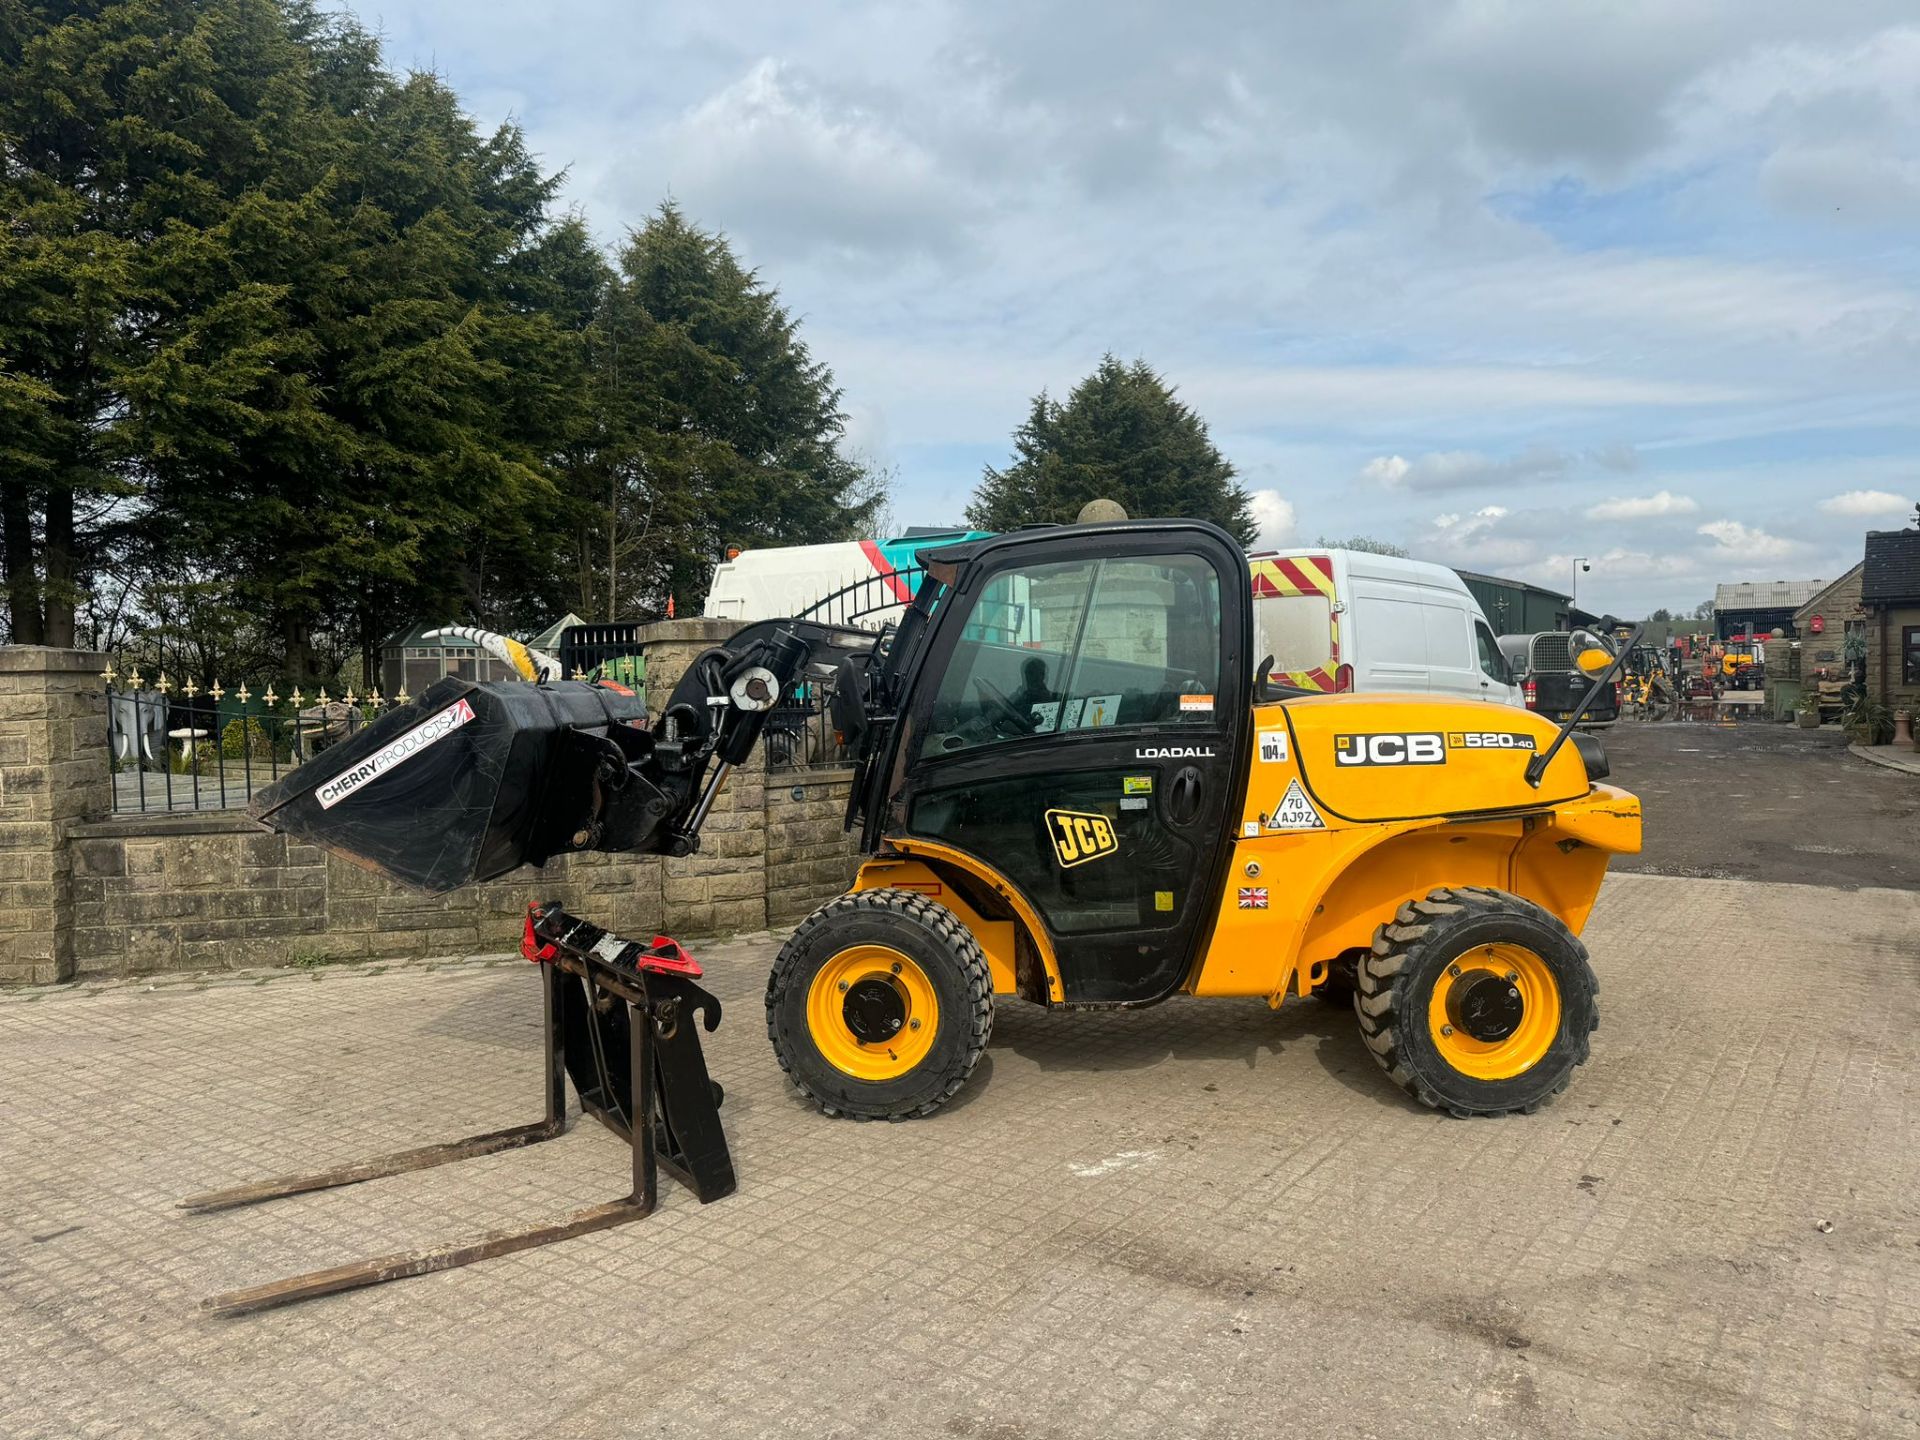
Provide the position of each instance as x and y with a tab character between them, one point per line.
665	1087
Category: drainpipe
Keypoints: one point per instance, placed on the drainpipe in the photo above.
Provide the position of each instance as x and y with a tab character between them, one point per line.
1884	692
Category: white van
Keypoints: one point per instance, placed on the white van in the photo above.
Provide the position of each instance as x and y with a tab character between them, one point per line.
1348	620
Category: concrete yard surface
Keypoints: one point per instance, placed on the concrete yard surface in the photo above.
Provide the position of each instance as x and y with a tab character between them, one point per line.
1201	1219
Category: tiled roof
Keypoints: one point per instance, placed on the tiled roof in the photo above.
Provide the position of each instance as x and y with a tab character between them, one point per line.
1893	567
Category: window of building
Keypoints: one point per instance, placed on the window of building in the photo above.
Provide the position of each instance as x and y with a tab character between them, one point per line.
1910	655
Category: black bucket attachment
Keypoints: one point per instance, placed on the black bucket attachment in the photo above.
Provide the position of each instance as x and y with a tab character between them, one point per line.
472	780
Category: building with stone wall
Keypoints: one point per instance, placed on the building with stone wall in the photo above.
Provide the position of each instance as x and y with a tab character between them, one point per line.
1823	624
1890	593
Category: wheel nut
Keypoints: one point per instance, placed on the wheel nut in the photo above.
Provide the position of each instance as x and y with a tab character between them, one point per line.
1446	1029
1511	976
1454	971
1514	991
896	967
843	987
913	1024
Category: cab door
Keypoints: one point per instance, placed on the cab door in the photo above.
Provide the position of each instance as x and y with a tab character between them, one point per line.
1080	726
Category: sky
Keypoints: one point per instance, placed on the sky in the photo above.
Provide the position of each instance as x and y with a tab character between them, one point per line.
1507	282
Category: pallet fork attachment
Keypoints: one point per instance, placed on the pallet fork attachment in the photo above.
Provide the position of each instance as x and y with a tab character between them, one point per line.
619	1019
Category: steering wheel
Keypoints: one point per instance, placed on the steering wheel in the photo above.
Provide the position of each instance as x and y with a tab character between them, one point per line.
1006	717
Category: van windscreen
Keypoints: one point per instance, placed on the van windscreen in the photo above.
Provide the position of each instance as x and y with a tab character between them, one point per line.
1296	630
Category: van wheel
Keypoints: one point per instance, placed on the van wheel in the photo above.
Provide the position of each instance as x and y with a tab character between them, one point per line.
879	1006
1477	1002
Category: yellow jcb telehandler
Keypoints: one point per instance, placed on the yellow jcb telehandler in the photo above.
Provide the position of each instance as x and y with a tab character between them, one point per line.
1073	787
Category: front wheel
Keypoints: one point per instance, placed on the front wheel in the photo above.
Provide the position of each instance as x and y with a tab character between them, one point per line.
879	1005
1477	1002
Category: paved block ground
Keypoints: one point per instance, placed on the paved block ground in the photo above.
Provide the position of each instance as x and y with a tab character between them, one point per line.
1201	1219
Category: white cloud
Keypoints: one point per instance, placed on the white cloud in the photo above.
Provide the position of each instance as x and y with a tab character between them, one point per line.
798	168
1863	503
1643	507
1461	526
1388	470
1746	542
1464	469
1275	517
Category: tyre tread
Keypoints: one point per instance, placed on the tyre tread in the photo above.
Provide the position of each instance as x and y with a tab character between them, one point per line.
1386	970
961	945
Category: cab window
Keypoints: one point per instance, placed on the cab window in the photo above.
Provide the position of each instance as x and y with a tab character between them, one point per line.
1082	645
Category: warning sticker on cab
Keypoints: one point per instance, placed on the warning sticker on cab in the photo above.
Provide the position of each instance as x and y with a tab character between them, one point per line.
430	731
1136	785
1273	746
1295	812
1197	702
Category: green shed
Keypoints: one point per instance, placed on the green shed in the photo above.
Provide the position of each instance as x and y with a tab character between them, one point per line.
1513	607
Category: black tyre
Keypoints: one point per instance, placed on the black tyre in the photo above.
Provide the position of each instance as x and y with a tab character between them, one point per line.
1477	1002
880	1005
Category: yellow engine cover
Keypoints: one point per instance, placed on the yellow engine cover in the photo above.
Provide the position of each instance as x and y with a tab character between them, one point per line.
1404	757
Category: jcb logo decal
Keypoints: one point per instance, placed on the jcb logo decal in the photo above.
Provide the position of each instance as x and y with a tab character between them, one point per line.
1079	837
1391	749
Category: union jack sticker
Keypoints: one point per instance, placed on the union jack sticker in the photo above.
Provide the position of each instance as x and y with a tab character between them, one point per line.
1253	897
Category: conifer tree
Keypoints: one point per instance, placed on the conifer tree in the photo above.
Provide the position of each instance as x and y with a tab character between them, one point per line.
1121	435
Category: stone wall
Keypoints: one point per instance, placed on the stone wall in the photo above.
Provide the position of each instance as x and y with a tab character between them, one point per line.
194	892
53	773
1837	606
82	894
1885	626
810	858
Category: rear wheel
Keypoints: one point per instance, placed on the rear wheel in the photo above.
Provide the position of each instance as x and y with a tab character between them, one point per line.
880	1005
1477	1002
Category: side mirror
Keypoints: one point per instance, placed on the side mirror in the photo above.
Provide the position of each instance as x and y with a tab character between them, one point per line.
1590	653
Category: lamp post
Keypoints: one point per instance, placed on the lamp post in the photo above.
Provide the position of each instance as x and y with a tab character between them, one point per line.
1579	564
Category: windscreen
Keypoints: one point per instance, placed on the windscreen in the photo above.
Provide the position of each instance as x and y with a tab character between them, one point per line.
1296	630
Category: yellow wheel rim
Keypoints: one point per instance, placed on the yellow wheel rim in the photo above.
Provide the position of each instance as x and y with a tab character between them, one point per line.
1495	1012
872	1012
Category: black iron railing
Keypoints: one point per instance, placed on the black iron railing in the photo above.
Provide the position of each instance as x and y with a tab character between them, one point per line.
184	747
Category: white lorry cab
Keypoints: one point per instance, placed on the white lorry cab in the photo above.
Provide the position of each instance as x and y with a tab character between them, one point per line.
1339	620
